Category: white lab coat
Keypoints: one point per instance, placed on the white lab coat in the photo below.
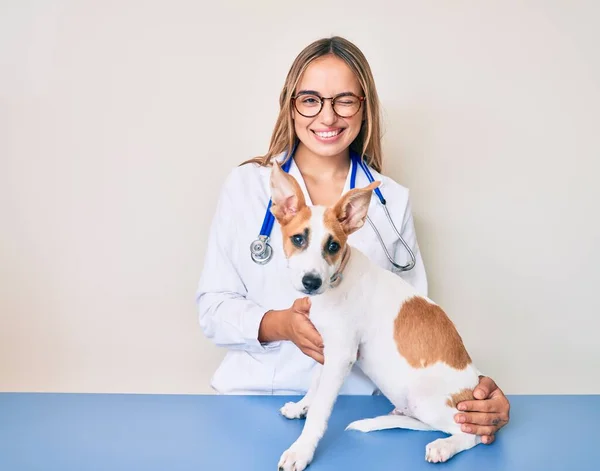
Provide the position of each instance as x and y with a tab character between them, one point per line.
234	292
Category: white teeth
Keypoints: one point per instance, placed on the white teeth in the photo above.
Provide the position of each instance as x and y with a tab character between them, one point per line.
328	134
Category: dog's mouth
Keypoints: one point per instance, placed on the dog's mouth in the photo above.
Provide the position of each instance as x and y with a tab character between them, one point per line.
310	292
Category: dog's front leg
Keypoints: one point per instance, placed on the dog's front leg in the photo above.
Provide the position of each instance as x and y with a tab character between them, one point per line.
332	377
298	410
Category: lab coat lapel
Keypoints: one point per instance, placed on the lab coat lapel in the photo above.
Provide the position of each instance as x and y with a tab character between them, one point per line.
295	172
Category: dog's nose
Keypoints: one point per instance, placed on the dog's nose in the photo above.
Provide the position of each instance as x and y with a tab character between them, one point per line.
311	282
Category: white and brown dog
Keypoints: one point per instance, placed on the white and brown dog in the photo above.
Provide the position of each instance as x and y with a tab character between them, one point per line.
408	346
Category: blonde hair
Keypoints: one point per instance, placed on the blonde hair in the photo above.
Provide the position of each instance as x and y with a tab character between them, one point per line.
368	142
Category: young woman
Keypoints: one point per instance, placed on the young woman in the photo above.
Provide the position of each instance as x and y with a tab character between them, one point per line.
328	108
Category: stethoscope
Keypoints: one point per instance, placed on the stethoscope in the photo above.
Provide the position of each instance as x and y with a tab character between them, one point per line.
262	252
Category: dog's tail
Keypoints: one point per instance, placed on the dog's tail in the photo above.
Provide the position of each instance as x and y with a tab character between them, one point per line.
384	422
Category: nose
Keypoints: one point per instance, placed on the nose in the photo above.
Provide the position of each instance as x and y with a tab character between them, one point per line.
328	116
311	282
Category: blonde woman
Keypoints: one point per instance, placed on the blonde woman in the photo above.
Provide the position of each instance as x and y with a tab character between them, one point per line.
329	110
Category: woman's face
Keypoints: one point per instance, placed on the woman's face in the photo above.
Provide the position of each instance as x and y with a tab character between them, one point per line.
327	134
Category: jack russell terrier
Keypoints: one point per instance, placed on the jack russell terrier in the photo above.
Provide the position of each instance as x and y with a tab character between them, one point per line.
408	346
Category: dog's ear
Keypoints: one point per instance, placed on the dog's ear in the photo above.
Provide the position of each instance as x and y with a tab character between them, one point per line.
286	195
351	210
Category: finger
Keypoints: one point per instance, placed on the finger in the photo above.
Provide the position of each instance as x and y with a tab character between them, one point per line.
478	429
484	388
312	335
479	418
310	346
487	405
488	439
314	338
305	344
318	357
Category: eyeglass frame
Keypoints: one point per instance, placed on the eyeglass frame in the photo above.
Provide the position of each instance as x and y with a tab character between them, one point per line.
322	101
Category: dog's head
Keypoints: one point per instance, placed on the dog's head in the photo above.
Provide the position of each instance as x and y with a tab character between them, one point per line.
315	238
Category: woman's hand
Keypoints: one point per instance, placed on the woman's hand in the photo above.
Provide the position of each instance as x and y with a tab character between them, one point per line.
488	413
293	324
302	332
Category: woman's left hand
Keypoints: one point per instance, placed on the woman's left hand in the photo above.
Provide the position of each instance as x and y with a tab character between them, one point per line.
488	413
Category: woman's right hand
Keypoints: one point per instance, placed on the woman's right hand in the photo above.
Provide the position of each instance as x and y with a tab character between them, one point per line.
302	332
293	324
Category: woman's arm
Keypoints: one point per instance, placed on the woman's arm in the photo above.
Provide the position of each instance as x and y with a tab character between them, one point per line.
226	315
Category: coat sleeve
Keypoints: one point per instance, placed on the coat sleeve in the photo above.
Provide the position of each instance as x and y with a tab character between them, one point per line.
417	276
226	315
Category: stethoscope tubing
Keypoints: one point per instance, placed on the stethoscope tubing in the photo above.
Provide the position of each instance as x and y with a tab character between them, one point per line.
356	161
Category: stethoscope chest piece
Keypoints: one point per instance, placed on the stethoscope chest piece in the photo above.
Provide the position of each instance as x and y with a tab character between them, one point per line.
260	250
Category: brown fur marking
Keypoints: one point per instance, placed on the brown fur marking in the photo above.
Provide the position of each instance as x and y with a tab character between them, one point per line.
295	226
425	335
332	224
462	395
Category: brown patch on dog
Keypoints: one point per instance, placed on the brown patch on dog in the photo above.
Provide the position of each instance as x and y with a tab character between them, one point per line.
425	335
462	395
297	225
334	228
330	221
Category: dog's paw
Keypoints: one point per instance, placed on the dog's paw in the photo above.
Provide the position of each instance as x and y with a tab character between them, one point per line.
296	458
294	410
439	451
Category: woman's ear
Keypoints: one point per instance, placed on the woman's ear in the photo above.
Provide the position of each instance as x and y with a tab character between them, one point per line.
351	210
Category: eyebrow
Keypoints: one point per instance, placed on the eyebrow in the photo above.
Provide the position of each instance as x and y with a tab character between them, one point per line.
314	92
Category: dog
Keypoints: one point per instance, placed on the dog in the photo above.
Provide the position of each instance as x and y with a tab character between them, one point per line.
407	345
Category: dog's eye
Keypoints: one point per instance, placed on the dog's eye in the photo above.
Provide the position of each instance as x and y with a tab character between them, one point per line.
298	240
333	247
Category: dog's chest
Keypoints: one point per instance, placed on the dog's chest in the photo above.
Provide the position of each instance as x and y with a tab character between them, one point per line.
333	319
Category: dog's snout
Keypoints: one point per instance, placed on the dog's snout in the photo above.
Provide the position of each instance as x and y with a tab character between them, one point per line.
311	282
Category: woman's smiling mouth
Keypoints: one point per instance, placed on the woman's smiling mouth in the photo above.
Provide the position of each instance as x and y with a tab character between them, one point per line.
328	136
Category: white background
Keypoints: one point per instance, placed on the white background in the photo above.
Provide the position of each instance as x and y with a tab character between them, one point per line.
120	119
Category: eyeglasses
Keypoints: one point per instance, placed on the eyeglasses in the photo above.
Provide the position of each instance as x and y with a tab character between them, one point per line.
345	105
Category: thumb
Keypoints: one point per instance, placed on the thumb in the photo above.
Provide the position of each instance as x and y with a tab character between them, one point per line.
302	305
484	388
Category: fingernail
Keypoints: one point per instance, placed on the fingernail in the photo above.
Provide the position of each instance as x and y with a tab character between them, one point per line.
461	419
466	428
462	407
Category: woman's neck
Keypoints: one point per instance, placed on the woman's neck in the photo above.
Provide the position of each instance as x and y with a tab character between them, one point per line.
319	167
